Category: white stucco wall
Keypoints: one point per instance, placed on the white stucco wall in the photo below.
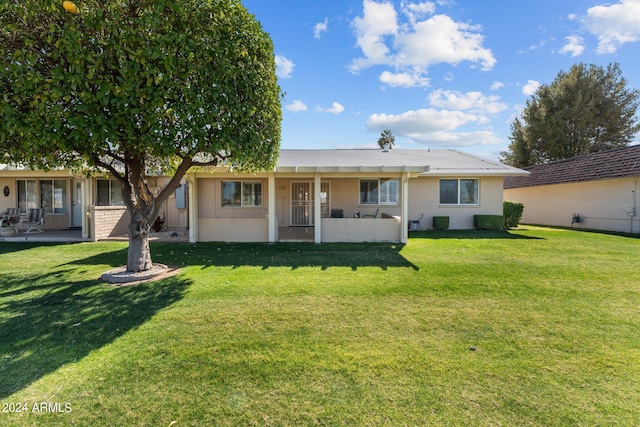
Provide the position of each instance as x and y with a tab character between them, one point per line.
602	205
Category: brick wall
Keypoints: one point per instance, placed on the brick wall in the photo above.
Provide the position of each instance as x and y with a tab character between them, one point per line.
108	221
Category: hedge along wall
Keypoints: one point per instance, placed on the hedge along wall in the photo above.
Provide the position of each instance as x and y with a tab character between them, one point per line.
488	222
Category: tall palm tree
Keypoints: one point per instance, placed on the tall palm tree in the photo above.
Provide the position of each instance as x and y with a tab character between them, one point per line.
386	137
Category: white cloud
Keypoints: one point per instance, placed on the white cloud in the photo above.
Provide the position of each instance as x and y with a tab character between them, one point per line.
320	28
416	11
336	108
497	85
574	46
531	87
474	102
284	67
435	128
614	24
457	139
297	106
411	47
379	20
423	121
442	40
403	79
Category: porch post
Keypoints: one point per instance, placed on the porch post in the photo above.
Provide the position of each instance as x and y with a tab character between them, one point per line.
87	200
317	209
271	208
193	207
404	221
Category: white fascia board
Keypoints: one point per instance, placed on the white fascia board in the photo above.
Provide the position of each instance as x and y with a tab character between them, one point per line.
475	172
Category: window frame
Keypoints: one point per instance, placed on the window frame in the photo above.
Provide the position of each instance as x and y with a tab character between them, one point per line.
459	192
111	189
57	186
387	192
30	190
247	199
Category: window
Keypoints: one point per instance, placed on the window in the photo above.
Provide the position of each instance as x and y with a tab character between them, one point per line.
459	192
53	195
325	201
109	193
379	192
238	194
27	197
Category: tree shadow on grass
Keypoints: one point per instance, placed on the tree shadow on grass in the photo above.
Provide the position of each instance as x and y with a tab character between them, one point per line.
48	321
11	247
470	234
293	255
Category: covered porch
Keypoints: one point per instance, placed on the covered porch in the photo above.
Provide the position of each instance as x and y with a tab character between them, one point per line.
326	207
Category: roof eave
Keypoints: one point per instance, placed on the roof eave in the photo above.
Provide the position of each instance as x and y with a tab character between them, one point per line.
476	172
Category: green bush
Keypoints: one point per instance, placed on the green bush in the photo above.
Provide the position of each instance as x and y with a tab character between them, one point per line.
512	212
488	222
440	222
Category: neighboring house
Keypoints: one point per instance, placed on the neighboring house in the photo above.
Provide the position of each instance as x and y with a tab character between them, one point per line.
344	196
93	205
597	191
313	195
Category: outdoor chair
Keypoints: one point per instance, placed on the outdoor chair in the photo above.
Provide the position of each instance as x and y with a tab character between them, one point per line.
10	217
375	215
35	220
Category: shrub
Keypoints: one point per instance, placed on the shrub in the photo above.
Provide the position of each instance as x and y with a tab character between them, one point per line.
488	222
440	222
512	212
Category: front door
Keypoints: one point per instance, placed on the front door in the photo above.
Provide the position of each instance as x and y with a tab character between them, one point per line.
76	200
301	204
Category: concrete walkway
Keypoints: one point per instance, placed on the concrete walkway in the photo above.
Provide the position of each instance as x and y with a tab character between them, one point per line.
69	235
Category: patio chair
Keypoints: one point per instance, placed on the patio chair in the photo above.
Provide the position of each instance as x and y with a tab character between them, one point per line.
375	215
35	220
10	218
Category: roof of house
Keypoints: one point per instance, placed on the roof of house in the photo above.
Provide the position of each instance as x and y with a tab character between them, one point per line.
422	161
617	163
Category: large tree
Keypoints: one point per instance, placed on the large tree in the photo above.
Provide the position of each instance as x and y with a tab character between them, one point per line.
129	86
585	110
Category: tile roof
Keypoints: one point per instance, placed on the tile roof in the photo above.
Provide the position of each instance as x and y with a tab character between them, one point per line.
617	163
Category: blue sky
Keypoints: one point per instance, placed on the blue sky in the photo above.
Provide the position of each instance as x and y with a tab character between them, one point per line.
439	74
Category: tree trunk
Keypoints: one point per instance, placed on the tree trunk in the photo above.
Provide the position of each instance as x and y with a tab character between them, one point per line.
139	257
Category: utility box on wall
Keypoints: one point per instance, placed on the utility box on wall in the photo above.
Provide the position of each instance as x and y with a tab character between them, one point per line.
181	197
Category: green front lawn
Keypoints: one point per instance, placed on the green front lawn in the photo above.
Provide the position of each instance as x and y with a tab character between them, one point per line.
528	327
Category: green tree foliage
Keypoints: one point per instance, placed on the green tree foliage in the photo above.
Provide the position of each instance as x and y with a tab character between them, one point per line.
586	110
129	87
386	137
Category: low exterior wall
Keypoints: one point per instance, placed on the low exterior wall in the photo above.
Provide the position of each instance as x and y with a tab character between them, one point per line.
108	221
233	230
602	205
360	230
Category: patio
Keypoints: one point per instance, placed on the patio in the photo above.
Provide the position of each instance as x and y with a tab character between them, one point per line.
47	235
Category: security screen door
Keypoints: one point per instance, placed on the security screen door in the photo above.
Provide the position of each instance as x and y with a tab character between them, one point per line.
301	204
